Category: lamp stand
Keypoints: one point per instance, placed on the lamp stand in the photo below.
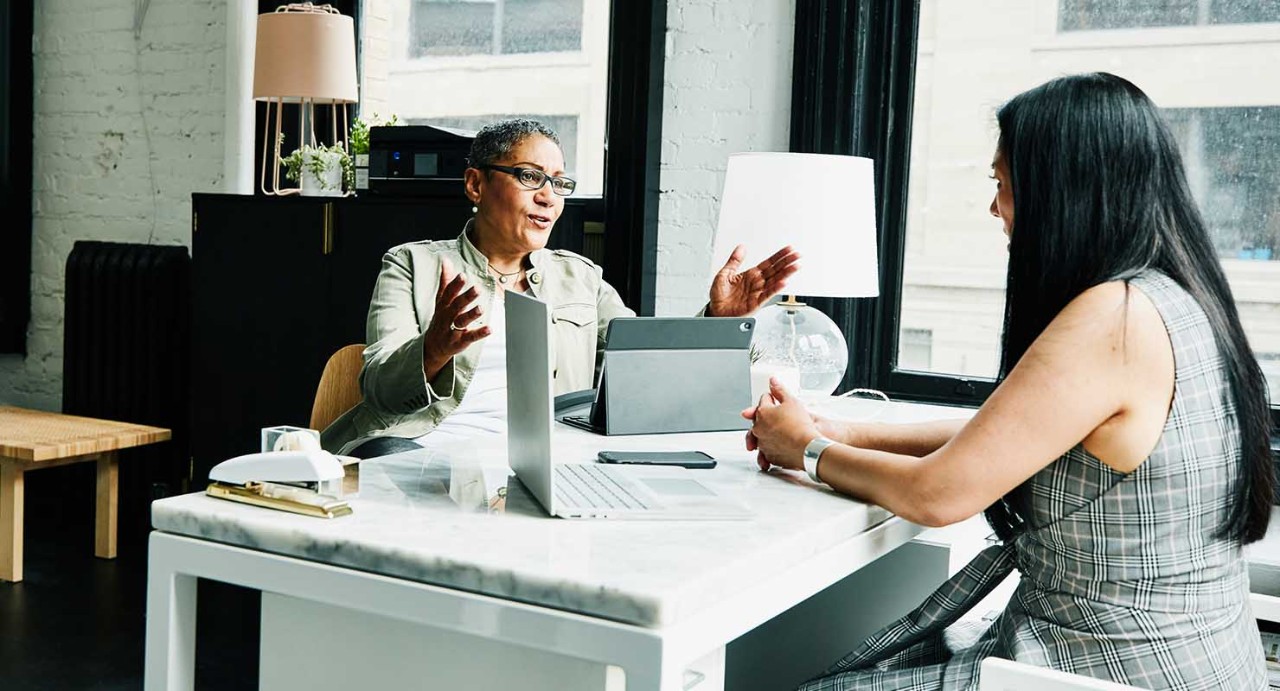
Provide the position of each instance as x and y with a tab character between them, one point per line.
307	133
792	334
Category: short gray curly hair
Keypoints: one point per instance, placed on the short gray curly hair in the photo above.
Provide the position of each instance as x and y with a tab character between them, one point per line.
495	141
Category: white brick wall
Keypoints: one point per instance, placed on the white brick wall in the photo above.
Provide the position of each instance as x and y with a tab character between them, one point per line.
125	130
728	89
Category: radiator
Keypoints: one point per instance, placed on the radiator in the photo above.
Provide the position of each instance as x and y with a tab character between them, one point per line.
126	356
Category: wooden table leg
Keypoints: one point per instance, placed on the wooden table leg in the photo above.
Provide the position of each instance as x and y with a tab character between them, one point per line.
10	521
104	533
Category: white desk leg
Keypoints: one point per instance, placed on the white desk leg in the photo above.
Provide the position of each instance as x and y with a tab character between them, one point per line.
171	623
654	672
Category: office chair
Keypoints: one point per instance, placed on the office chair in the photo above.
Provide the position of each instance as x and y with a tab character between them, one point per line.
1007	675
339	388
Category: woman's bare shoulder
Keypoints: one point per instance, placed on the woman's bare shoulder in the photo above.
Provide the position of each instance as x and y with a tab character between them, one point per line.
1116	310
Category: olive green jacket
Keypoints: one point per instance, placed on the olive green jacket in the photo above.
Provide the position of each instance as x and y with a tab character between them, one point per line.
398	399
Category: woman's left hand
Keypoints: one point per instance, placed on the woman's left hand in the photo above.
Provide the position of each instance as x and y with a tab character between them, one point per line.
781	429
737	294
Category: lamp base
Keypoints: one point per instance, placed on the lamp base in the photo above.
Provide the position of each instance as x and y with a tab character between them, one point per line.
793	335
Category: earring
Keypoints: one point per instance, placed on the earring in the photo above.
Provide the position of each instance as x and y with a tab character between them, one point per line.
475	206
475	210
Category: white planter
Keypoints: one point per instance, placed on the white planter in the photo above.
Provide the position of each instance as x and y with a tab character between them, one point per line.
329	182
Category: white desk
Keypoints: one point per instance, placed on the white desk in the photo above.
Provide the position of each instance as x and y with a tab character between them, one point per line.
411	588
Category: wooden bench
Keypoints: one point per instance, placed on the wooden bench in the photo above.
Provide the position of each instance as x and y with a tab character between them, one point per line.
33	439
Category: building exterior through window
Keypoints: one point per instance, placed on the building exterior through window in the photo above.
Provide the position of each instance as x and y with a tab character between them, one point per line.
1210	65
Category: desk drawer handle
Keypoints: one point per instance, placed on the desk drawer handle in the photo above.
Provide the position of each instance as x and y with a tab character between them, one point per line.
326	237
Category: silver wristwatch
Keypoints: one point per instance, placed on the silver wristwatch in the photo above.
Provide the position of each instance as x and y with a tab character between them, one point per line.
812	454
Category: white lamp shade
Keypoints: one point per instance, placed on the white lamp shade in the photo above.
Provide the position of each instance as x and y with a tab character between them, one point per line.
305	55
822	205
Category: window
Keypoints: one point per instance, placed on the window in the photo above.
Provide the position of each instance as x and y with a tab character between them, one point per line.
1235	186
1085	15
917	349
470	27
1270	363
955	256
943	258
467	63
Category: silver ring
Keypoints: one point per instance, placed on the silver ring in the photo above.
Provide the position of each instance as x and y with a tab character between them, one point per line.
455	327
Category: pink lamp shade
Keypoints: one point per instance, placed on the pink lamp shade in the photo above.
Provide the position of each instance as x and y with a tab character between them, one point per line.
306	55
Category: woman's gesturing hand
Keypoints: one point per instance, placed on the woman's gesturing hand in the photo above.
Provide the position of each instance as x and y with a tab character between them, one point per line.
781	428
448	334
737	294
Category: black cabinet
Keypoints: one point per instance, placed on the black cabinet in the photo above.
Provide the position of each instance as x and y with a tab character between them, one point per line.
278	285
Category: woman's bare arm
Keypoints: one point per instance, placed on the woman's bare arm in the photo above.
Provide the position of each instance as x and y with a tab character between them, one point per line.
910	439
1104	360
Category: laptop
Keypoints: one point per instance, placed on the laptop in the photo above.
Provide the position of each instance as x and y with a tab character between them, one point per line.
704	364
583	490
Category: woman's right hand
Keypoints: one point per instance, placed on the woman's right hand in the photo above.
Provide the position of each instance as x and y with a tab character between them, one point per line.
448	333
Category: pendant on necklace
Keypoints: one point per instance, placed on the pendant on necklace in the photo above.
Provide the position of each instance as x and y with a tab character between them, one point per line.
502	280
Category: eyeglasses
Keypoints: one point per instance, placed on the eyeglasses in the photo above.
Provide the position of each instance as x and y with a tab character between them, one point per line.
534	179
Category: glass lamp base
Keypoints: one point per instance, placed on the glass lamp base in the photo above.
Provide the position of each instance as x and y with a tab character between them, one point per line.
798	336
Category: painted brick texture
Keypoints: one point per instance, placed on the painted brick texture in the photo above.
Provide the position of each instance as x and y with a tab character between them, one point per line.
126	128
728	89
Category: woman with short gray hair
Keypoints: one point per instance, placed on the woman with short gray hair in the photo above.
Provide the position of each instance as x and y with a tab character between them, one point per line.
435	367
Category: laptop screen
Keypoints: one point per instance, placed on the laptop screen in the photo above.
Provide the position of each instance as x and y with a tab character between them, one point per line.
529	394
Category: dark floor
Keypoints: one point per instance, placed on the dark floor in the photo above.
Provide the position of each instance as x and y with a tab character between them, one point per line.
78	622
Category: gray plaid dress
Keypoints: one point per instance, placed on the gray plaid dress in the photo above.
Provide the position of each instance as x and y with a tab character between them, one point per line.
1121	575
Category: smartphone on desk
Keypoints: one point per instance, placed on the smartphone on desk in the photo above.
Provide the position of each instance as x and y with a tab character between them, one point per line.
684	459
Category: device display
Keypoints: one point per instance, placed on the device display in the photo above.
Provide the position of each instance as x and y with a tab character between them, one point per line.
684	459
426	165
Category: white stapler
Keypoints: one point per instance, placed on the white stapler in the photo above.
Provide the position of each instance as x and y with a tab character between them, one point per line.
306	482
313	469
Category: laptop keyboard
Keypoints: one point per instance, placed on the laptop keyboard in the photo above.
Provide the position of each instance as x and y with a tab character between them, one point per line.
589	486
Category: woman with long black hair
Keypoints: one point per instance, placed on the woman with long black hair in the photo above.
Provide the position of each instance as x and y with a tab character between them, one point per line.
1122	459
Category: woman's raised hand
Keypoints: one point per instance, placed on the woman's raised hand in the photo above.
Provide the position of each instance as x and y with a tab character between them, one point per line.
737	294
448	333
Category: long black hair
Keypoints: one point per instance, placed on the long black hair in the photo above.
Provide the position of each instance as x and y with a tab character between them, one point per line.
1099	194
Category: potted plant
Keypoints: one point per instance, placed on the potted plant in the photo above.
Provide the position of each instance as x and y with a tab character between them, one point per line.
360	146
321	171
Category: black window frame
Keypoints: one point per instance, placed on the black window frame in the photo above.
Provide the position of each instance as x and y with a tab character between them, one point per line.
633	149
853	92
16	122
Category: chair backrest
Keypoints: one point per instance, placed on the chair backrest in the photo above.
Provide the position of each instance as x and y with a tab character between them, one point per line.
1006	675
339	388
